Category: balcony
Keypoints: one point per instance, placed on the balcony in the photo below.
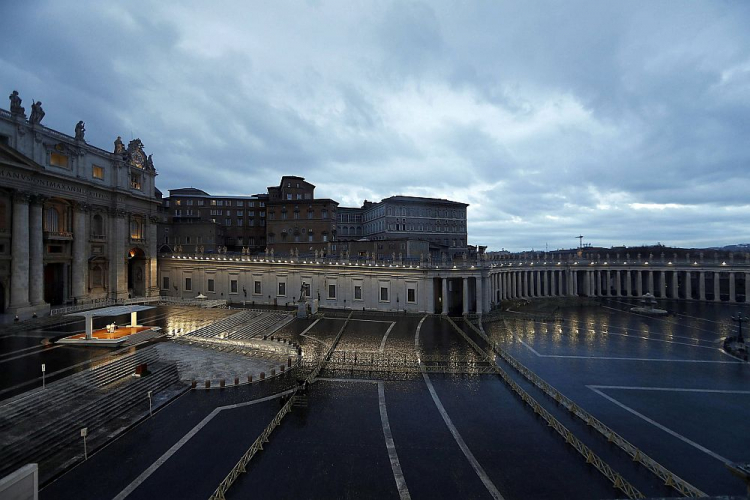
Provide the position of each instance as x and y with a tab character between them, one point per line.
58	235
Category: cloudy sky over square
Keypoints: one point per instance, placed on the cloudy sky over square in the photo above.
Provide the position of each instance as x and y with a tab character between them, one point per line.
627	122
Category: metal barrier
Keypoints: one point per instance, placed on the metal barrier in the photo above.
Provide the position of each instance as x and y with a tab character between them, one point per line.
669	478
406	363
240	467
615	477
219	493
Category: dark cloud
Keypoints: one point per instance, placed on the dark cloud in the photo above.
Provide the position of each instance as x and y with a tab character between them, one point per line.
625	122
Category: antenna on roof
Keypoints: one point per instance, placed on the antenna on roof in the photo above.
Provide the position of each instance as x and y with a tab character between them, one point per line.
580	241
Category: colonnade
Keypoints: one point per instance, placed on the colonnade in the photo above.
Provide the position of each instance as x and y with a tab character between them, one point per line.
713	284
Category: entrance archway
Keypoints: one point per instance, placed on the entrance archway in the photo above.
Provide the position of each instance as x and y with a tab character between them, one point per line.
136	272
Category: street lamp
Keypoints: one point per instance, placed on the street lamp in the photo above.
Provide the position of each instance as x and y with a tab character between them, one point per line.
739	318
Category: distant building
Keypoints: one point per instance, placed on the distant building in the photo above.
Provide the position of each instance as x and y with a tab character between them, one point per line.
200	220
440	222
297	221
77	223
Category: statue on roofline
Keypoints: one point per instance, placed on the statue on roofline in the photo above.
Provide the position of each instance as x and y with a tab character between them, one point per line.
15	104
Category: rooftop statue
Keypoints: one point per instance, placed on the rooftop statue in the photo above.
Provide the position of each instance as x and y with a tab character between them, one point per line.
37	113
15	104
80	131
119	146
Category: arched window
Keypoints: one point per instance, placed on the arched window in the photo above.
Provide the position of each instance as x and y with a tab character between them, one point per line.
97	225
345	231
51	220
136	228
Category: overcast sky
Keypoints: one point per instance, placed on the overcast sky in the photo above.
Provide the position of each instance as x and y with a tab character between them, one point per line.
626	122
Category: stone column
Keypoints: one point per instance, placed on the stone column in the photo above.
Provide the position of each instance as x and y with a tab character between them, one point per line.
118	259
152	282
526	280
19	270
639	283
607	285
717	287
445	296
651	283
688	286
545	284
732	292
552	283
747	288
675	285
662	284
466	296
628	284
702	285
598	289
618	284
36	252
480	295
80	264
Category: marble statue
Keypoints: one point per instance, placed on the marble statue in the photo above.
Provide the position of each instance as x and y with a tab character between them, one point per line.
119	146
37	113
15	104
80	131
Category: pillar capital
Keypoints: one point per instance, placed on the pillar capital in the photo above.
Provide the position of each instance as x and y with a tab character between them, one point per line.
38	199
81	207
22	197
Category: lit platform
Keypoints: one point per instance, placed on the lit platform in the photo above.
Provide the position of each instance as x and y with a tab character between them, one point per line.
113	335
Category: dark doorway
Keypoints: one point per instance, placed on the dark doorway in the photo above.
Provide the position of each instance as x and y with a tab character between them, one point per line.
54	284
136	273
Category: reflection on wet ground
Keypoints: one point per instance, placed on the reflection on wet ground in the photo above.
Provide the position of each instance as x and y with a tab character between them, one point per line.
662	383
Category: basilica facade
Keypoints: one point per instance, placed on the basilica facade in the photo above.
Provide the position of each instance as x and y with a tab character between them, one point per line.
77	223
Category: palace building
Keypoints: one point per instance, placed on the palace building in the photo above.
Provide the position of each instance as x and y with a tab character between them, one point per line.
77	223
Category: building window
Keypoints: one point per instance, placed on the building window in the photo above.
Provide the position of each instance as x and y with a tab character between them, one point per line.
136	229
331	291
383	294
357	292
58	160
309	237
200	203
257	290
210	285
324	214
232	286
97	226
97	172
135	181
96	276
165	283
188	284
282	289
411	295
51	220
309	214
190	203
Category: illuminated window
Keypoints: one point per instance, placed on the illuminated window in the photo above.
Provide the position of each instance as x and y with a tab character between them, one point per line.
97	172
58	160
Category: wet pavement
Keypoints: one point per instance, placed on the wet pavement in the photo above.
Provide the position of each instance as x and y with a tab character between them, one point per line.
662	383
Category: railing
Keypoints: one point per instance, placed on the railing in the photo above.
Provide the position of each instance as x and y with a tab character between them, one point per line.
669	478
592	458
137	300
240	467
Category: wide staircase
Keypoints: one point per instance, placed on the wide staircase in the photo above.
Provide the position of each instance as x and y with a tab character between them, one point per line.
245	325
44	426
